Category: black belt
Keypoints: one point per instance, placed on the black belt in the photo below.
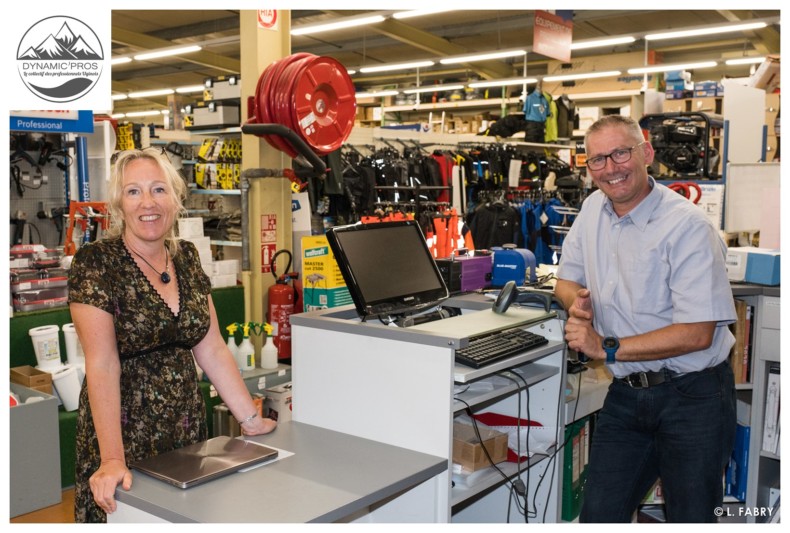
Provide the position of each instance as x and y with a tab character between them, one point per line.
643	380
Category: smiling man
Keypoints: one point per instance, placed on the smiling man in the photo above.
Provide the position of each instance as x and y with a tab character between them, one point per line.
643	277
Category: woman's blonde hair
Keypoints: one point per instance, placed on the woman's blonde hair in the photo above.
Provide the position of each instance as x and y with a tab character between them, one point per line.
177	187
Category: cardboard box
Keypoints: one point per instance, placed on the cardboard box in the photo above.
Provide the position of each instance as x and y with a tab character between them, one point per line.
767	76
190	227
32	378
705	88
278	403
227	266
753	265
468	452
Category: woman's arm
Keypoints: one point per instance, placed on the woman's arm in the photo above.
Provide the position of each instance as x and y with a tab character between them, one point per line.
215	359
103	371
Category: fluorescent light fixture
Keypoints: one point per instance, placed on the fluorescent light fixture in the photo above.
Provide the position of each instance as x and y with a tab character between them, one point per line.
165	52
745	60
502	83
482	57
583	76
705	31
148	113
396	66
376	94
418	13
432	88
351	71
119	96
349	22
665	68
120	60
190	89
118	115
602	42
147	94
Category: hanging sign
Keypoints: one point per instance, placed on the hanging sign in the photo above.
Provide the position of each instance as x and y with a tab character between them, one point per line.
268	19
52	121
553	33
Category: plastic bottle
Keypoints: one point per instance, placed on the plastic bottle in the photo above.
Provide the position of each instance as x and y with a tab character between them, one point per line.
232	340
269	350
246	352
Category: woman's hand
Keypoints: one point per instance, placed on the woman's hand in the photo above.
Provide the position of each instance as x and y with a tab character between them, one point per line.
103	482
258	426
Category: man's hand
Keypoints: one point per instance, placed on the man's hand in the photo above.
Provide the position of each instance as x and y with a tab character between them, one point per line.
582	306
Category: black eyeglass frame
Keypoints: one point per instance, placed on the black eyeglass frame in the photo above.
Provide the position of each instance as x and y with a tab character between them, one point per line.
610	155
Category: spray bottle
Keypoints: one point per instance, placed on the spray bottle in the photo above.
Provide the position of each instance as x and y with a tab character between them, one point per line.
246	351
232	340
269	350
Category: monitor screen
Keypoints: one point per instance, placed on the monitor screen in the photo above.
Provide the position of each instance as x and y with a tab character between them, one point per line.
388	267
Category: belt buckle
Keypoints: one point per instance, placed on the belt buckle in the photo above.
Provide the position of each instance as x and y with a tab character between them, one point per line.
637	380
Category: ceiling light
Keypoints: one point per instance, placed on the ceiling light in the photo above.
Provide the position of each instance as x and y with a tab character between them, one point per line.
375	94
602	42
396	66
482	57
190	89
120	60
745	60
349	22
705	31
432	88
120	96
584	76
147	94
665	68
351	72
418	13
118	115
143	113
502	83
165	52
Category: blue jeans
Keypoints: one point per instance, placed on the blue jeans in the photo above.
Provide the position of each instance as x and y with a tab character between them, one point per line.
682	431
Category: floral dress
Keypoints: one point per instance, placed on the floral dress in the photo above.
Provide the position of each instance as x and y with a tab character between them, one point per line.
161	404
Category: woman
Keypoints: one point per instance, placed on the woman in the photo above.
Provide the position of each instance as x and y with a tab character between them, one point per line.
141	305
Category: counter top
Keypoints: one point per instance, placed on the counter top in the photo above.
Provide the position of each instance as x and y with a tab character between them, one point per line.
329	477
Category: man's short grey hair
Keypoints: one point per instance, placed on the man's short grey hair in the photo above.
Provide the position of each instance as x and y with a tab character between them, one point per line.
615	120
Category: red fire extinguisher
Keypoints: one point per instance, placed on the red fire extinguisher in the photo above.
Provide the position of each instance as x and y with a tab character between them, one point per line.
282	304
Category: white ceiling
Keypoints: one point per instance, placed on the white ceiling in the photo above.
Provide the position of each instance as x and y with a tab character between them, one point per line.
430	36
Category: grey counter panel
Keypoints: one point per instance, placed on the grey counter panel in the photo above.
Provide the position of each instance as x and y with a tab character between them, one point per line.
330	477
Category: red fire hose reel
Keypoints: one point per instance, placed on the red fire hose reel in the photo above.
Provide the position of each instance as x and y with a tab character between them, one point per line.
311	95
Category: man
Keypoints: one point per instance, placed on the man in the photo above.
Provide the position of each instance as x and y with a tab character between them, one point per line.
643	278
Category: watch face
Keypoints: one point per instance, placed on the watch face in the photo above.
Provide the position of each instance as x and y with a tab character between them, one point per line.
610	342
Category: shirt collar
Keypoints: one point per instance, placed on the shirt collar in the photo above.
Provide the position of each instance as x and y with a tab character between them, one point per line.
640	215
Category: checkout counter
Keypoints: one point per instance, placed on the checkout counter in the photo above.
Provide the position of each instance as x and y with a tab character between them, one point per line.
372	428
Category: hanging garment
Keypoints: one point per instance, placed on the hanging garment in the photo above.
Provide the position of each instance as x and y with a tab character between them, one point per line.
536	107
566	110
446	166
551	120
495	224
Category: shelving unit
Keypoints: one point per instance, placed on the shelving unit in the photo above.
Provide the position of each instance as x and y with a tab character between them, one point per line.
420	416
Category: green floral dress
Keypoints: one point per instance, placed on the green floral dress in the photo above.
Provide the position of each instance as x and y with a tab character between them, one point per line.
161	404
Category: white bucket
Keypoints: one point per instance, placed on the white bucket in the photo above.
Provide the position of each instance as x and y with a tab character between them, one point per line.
67	384
46	344
73	346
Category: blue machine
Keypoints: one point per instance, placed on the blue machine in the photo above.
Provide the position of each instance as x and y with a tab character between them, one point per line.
512	264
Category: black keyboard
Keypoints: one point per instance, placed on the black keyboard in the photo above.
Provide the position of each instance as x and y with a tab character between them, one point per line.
485	349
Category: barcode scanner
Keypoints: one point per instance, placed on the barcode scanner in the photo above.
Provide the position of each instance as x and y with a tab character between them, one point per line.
506	297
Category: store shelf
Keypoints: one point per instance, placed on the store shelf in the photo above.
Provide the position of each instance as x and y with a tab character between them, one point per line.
222	192
226	243
461	104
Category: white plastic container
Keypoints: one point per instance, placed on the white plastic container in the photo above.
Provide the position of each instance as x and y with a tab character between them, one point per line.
269	354
74	352
245	355
67	383
46	343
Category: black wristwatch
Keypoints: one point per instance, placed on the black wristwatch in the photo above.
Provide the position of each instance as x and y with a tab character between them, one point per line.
610	346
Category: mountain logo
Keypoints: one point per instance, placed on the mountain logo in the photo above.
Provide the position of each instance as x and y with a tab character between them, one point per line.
60	59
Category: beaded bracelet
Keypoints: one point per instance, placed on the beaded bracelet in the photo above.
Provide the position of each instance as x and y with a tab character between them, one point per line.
242	422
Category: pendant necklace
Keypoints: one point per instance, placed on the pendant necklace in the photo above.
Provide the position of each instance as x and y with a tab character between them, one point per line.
164	275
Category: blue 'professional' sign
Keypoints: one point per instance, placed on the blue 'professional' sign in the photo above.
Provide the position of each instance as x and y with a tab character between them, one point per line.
52	121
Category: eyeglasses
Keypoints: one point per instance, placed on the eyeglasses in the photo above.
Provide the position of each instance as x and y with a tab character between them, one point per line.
618	156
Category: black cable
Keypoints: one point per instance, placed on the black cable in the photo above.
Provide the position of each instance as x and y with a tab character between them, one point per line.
527	513
37	232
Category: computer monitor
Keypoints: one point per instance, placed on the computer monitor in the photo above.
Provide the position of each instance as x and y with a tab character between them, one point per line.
388	267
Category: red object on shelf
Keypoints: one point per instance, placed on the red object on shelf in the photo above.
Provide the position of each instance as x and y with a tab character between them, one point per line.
496	420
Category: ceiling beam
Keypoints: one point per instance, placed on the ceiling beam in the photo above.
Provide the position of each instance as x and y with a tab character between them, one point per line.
146	42
763	40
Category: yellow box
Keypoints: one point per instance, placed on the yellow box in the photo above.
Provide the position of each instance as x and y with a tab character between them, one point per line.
319	268
468	452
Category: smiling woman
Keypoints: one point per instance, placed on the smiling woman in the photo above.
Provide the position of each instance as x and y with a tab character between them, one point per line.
142	307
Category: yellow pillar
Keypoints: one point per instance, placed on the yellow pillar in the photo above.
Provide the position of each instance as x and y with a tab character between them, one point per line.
269	198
